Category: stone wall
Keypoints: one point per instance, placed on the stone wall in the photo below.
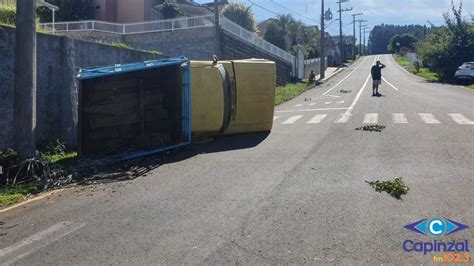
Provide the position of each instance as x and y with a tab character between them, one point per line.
234	48
58	60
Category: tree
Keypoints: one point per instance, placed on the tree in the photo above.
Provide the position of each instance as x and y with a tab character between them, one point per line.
68	10
169	10
446	48
381	35
274	35
24	99
405	40
241	14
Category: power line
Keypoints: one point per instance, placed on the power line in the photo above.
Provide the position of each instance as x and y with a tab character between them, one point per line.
264	8
276	13
292	11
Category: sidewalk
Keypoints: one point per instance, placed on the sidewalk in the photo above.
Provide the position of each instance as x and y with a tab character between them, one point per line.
330	71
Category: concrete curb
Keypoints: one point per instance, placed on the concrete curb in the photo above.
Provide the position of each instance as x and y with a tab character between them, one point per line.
30	200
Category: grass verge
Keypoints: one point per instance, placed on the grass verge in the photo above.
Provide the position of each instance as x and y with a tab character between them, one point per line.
13	195
422	72
291	90
59	158
471	87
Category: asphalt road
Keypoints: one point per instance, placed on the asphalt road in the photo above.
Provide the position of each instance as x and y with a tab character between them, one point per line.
296	195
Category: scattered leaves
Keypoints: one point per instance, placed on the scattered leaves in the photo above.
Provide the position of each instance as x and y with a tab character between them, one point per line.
372	128
396	188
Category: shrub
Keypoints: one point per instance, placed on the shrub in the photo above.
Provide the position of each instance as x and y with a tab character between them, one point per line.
241	14
8	12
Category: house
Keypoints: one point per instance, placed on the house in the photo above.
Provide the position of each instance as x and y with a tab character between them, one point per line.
127	11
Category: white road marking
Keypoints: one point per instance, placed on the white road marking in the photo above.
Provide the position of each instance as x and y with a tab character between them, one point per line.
429	118
36	241
312	104
298	105
317	119
348	114
391	85
327	102
461	119
311	110
399	118
341	102
371	118
292	120
275	118
342	80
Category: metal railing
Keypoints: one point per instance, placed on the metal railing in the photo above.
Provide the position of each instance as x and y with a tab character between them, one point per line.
130	28
251	37
169	25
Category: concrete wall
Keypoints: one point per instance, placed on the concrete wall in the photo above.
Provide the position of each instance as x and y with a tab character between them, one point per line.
195	44
234	48
58	61
313	66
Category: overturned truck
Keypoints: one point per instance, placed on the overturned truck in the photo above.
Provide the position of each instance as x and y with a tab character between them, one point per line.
137	109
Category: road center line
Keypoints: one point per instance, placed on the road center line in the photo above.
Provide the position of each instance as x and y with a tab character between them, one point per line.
348	114
391	85
339	83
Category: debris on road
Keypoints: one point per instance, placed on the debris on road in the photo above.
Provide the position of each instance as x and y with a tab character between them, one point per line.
345	91
372	128
396	188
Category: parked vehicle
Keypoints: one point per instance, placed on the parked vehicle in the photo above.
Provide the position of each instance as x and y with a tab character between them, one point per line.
465	72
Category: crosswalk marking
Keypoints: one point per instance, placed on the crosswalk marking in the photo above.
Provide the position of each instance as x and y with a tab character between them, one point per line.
341	102
317	119
328	102
461	119
311	104
371	118
399	118
292	119
298	105
374	118
429	118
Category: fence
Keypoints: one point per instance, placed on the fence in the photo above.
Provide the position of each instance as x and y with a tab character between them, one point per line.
130	28
169	25
252	38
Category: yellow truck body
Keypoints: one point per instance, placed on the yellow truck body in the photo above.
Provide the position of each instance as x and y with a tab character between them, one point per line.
232	97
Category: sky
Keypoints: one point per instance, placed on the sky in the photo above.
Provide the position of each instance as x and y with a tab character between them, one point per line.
376	12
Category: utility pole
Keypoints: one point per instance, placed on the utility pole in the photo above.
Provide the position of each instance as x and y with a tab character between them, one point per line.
24	99
218	29
365	46
360	35
341	45
322	67
354	32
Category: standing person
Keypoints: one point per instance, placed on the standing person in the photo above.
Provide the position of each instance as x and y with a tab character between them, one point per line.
376	72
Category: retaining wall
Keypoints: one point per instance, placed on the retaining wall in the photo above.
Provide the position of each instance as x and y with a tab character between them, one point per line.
58	60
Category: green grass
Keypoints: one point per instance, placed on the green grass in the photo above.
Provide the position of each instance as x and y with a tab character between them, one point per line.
59	158
423	72
290	91
471	87
121	45
13	195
